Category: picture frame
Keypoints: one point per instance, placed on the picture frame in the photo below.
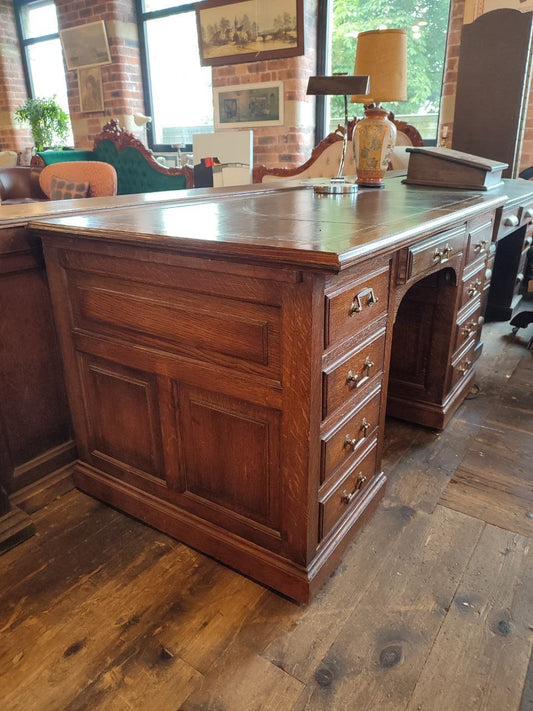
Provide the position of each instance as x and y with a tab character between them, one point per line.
234	31
249	105
91	90
85	45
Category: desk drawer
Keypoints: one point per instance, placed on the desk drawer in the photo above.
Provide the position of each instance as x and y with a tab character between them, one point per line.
467	327
479	239
344	497
350	436
473	285
431	252
509	221
462	364
353	307
343	380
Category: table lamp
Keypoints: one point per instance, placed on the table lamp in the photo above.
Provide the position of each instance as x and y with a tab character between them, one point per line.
382	54
333	85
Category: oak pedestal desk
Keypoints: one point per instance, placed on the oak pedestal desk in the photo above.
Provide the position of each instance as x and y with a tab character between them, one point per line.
229	359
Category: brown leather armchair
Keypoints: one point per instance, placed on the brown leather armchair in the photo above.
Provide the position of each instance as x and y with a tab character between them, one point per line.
20	184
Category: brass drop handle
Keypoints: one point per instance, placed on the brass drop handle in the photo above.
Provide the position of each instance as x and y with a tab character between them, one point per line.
354	379
351	442
442	255
469	327
347	497
474	288
466	365
357	304
511	221
481	246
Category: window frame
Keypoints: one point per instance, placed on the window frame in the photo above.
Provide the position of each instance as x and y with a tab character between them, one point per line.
24	43
324	21
142	18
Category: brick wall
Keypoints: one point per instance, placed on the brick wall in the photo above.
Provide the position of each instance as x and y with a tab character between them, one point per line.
12	86
121	80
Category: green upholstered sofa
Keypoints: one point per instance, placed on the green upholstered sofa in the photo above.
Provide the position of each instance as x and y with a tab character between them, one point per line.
137	169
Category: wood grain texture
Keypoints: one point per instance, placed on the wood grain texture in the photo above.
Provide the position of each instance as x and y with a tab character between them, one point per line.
429	608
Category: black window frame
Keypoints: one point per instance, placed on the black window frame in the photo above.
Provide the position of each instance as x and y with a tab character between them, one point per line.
24	43
142	18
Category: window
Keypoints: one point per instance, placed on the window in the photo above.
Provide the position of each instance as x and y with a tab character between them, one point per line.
41	51
177	89
426	22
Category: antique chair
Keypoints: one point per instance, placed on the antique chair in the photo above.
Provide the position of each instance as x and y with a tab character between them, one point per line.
93	178
324	160
137	169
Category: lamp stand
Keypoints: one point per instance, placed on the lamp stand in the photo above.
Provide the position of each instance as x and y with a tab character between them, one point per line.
373	141
339	185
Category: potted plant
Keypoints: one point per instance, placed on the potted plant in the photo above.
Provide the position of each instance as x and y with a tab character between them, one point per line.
49	123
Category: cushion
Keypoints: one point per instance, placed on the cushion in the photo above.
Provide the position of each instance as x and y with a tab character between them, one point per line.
64	189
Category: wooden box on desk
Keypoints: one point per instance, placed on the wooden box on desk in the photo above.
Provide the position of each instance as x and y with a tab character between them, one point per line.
444	167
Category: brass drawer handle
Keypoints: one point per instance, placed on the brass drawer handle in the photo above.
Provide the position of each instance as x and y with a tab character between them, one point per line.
354	379
511	221
352	442
357	304
442	255
475	288
469	328
466	365
346	497
481	246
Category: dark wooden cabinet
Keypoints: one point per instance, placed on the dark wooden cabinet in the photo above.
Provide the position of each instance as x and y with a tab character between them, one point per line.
228	378
493	80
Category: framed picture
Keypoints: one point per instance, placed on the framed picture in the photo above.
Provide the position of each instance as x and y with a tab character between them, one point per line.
249	105
232	31
90	87
85	45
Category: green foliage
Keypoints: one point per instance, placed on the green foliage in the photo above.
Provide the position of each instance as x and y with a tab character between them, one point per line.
426	22
49	124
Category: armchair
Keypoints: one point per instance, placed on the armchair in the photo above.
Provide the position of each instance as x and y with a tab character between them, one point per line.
102	177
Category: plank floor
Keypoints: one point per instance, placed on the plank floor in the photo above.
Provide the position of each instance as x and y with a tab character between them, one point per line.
431	608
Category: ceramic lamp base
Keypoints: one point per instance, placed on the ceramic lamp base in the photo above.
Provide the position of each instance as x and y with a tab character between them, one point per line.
373	140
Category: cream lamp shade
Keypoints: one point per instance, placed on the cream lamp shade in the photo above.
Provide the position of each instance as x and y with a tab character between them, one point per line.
382	54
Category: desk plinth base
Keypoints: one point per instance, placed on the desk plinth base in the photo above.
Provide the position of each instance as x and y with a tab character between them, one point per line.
296	581
430	414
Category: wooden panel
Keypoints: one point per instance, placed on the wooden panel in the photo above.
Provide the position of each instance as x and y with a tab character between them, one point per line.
34	413
348	437
213	329
231	464
486	85
123	418
351	308
344	496
343	380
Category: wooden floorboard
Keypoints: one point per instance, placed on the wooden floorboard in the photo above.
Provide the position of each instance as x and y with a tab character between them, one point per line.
430	609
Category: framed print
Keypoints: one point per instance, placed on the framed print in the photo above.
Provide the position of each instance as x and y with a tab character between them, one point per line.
248	105
85	45
91	91
232	31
